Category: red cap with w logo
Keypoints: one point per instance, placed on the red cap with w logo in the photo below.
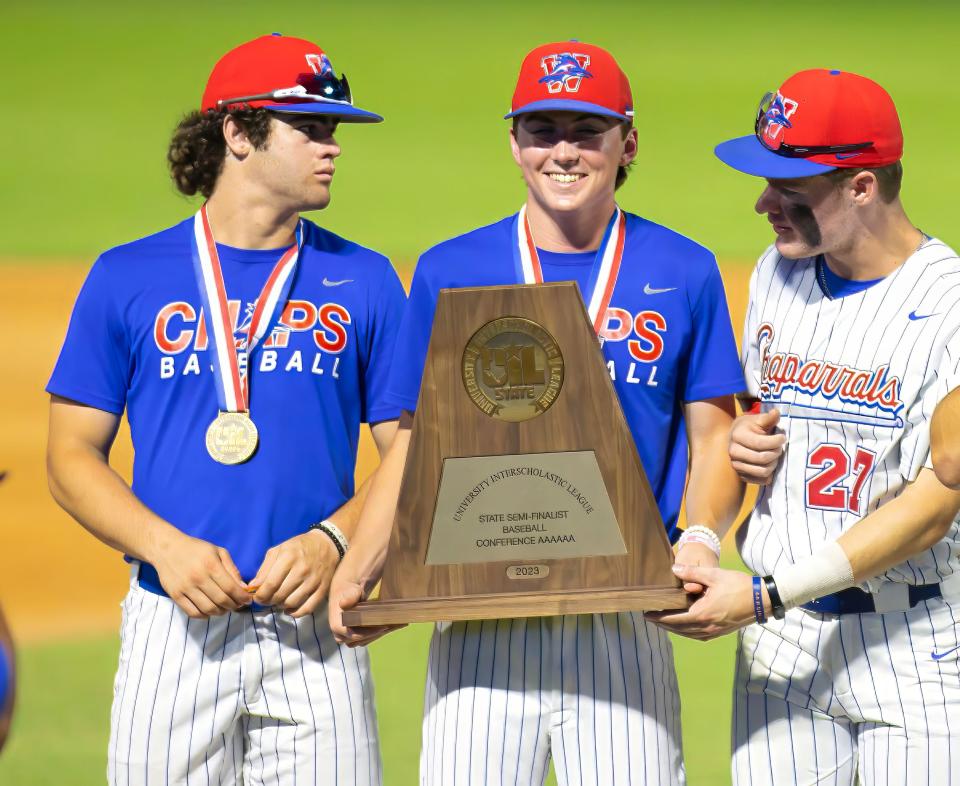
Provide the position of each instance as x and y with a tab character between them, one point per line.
569	76
819	120
282	74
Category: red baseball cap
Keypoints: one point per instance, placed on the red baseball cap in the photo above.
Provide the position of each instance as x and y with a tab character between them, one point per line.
282	74
818	121
572	77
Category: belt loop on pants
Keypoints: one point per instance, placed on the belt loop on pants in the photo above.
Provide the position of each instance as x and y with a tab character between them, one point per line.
892	596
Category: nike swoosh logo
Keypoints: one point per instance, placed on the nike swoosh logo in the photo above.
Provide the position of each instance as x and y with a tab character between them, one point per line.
328	283
942	655
649	290
915	316
845	156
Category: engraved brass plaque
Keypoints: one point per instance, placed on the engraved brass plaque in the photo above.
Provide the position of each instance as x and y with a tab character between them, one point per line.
512	369
519	572
530	506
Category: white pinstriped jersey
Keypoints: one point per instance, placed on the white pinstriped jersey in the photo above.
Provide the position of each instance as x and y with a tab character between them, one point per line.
856	380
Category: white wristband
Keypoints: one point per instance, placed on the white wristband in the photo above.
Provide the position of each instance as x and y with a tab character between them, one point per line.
698	533
822	573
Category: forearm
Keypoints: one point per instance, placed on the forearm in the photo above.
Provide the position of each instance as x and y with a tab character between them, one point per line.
714	491
84	484
907	525
371	537
347	516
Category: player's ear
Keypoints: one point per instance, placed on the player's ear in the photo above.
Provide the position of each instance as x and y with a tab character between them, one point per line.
631	145
864	187
235	136
514	144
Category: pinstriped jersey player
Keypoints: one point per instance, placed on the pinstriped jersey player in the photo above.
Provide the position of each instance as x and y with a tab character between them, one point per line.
852	336
855	379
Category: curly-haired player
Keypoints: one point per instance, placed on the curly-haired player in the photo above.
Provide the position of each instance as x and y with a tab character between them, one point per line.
246	345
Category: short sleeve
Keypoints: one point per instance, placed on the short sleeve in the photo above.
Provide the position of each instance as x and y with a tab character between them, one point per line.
385	321
915	446
413	339
713	367
94	363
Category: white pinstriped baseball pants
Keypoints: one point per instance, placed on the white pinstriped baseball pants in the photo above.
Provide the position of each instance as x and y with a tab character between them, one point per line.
598	693
249	697
872	699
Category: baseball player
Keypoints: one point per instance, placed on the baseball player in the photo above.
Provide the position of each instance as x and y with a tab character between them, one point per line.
246	345
853	672
597	693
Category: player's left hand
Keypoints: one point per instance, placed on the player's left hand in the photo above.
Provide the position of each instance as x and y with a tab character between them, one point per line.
696	555
295	575
345	594
725	605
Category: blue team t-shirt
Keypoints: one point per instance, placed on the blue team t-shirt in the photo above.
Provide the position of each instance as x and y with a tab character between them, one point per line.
138	340
557	266
668	338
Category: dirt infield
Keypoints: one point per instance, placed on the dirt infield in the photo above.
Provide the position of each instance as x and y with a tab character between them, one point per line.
55	579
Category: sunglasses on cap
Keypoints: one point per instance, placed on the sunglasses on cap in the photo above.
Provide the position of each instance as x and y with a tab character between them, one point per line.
309	87
772	112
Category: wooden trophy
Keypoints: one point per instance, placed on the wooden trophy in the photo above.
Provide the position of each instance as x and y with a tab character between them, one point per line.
523	494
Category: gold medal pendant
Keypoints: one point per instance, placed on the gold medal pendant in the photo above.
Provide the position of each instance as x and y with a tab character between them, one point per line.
232	438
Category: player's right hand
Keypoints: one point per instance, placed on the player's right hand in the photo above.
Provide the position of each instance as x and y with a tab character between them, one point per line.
345	594
756	446
198	576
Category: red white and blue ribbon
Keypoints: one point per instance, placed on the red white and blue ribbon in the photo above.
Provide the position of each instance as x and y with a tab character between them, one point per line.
231	376
603	275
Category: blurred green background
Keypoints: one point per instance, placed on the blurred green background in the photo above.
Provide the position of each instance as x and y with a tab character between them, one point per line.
92	91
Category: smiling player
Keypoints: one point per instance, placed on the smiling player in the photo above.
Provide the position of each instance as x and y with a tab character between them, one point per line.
597	693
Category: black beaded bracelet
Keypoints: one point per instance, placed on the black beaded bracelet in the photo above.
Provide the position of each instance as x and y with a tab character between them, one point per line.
776	604
322	527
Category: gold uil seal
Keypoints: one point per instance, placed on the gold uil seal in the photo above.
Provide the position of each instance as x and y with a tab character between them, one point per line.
512	369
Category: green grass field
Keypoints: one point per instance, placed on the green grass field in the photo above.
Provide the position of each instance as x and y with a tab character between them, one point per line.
63	719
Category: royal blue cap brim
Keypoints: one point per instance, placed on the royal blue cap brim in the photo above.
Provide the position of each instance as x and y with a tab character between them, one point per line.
747	154
345	113
565	105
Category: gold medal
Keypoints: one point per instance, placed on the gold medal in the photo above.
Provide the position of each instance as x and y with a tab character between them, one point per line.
231	438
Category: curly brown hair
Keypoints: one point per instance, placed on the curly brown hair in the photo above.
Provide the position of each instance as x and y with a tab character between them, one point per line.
197	149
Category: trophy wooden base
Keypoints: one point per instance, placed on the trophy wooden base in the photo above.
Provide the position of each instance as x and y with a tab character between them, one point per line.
506	605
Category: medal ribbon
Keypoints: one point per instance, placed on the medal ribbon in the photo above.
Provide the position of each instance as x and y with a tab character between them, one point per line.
233	386
603	275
